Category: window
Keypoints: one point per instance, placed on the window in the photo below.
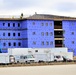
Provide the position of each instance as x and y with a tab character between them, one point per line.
72	42
42	43
13	24
46	33
8	24
3	24
47	43
72	33
42	33
14	44
9	44
33	33
3	34
33	23
42	24
18	24
36	50
4	44
29	51
51	33
50	24
19	44
72	23
21	57
8	34
34	43
13	34
46	24
51	43
18	34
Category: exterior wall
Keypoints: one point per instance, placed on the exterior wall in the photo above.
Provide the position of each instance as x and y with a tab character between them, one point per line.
24	34
35	34
69	28
12	33
40	33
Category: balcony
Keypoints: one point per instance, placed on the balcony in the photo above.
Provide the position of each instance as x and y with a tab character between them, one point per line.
57	27
58	36
58	45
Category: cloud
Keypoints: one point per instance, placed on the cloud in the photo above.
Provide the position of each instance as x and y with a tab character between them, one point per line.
24	5
60	7
1	3
66	6
18	4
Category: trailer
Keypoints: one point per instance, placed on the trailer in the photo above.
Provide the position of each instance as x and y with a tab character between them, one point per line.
5	58
40	54
20	55
23	51
18	51
44	57
23	55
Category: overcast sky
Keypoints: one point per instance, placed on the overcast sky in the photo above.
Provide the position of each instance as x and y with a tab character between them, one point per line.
55	7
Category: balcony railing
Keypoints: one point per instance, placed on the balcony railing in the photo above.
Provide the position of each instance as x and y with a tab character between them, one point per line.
57	27
58	45
58	36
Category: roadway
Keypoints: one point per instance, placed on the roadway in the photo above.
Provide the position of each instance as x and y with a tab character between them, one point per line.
40	70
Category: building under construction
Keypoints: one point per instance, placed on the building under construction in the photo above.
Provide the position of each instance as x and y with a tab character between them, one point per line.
38	31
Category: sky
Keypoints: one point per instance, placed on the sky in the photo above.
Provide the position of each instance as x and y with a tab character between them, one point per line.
29	7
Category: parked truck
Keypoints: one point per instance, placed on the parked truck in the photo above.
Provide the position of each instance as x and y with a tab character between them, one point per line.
8	59
24	55
44	57
24	58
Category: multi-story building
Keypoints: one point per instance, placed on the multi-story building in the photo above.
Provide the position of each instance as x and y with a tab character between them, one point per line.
38	31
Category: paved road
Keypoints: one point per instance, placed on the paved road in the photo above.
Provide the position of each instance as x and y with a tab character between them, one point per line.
40	70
